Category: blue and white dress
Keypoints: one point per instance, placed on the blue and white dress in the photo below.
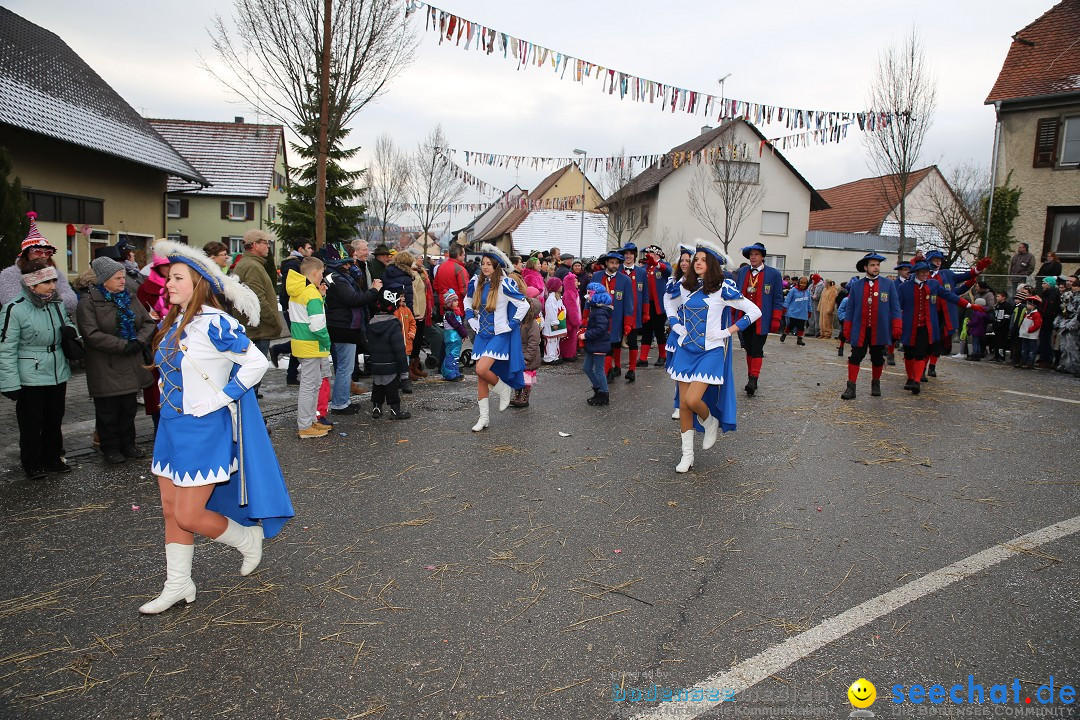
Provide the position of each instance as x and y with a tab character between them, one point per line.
672	299
703	330
196	443
498	334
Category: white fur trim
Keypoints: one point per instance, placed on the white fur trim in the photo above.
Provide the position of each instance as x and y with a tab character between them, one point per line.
490	249
239	295
699	243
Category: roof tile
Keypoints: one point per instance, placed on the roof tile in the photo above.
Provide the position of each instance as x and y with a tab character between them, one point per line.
1044	58
859	206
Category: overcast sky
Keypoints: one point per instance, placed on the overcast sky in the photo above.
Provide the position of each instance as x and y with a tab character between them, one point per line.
780	52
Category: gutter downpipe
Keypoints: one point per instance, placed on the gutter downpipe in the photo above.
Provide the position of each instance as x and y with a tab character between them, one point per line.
993	176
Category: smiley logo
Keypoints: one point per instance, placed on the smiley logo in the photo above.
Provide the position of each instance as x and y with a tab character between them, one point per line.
862	693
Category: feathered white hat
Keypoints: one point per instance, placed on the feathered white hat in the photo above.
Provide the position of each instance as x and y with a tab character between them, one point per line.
712	249
685	249
240	296
490	251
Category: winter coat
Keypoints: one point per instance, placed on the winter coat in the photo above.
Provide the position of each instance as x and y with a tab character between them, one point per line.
451	275
11	288
530	336
841	312
386	346
408	327
1021	264
1029	328
419	307
977	324
113	365
307	314
345	303
571	301
30	353
533	278
554	317
597	335
250	269
797	304
290	263
397	275
827	303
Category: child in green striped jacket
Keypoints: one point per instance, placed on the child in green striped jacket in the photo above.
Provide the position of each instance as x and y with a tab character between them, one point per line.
310	342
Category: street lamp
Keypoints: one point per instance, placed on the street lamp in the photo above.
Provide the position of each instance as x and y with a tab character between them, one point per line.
581	238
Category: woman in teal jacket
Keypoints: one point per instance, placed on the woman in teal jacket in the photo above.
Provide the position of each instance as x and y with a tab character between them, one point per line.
33	369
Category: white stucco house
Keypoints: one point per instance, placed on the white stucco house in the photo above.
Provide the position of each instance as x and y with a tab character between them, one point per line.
657	199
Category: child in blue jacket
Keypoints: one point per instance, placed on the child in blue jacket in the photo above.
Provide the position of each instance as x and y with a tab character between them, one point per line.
797	304
597	336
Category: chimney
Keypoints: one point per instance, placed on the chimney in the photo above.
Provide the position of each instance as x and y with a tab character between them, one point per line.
705	129
238	120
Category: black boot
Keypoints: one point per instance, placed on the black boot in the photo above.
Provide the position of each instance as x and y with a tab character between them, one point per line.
875	388
631	376
910	384
782	336
114	457
600	399
849	392
406	386
931	371
617	370
891	359
751	385
133	452
611	374
398	414
800	341
915	388
840	351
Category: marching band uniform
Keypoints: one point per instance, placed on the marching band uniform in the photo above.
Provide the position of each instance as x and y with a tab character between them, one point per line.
672	299
212	430
704	352
919	303
639	279
498	334
763	286
873	320
621	290
657	273
948	317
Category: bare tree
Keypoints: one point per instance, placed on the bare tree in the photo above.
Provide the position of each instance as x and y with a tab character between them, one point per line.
274	55
904	90
432	182
954	207
388	182
724	192
628	216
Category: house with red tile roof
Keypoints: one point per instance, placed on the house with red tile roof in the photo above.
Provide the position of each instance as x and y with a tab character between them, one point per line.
247	170
864	215
1037	143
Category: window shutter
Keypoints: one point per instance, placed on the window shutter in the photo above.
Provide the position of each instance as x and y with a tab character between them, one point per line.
226	243
224	209
250	214
1046	137
183	208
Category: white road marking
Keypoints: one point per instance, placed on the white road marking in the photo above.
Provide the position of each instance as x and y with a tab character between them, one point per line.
1043	397
769	662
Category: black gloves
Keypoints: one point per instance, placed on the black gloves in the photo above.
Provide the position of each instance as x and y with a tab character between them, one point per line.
12	395
133	347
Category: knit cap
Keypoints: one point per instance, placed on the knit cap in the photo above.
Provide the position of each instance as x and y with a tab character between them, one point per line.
105	267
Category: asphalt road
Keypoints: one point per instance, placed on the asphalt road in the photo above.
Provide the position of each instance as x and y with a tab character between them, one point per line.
432	572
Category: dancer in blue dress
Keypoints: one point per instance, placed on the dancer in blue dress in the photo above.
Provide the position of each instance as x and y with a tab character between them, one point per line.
494	312
216	469
671	308
702	364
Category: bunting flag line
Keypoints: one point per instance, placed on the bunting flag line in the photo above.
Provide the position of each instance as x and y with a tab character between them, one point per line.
520	202
633	163
454	28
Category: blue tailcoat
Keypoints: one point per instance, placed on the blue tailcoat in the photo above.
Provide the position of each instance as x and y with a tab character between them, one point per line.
906	293
638	276
622	301
951	281
770	296
887	311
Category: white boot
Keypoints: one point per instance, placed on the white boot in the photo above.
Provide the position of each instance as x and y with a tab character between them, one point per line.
687	460
712	427
482	423
248	540
675	415
504	392
178	583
